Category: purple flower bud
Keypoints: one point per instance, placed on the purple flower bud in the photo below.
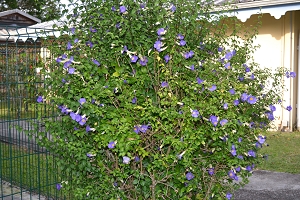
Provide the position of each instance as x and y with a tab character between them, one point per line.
58	186
39	99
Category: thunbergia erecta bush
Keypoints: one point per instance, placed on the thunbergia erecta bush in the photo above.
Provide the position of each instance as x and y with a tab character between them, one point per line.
156	100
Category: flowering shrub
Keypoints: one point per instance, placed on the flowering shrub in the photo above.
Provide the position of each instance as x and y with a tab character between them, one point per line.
156	102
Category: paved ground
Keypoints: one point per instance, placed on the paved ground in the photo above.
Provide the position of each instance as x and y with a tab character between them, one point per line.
265	185
7	189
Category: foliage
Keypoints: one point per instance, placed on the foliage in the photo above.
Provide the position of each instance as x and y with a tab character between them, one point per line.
45	10
157	100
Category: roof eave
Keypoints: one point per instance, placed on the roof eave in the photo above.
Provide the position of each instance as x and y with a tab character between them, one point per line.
9	12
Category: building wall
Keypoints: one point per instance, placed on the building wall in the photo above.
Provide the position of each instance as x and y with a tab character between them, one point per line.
278	48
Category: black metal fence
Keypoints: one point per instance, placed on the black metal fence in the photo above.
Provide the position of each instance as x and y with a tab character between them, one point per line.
27	171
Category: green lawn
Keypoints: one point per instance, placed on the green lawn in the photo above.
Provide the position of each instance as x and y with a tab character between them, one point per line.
16	110
283	152
28	169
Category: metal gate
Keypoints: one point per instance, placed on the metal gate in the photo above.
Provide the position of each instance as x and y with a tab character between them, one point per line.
27	171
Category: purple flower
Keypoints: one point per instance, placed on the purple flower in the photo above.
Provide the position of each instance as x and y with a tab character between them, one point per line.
270	116
142	5
195	113
134	100
93	30
125	49
225	106
157	45
261	139
189	54
244	97
67	64
233	150
189	176
167	58
182	42
228	55
136	159
144	128
223	122
76	40
211	171
73	115
249	168
238	169
247	69
96	62
126	160
39	99
239	140
258	145
58	186
88	128
251	99
58	60
199	81
272	108
241	78
251	153
227	65
240	157
122	9
180	37
232	175
89	44
89	155
72	30
111	145
173	8
212	88
164	84
214	120
252	77
228	196
143	61
192	67
289	108
231	91
69	46
136	129
202	46
134	58
161	31
292	74
220	49
113	8
71	70
82	121
82	101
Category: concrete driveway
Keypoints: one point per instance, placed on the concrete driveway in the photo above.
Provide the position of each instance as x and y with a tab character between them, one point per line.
265	185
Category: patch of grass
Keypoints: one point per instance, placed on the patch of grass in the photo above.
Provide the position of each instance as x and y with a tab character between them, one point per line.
283	152
16	110
29	170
